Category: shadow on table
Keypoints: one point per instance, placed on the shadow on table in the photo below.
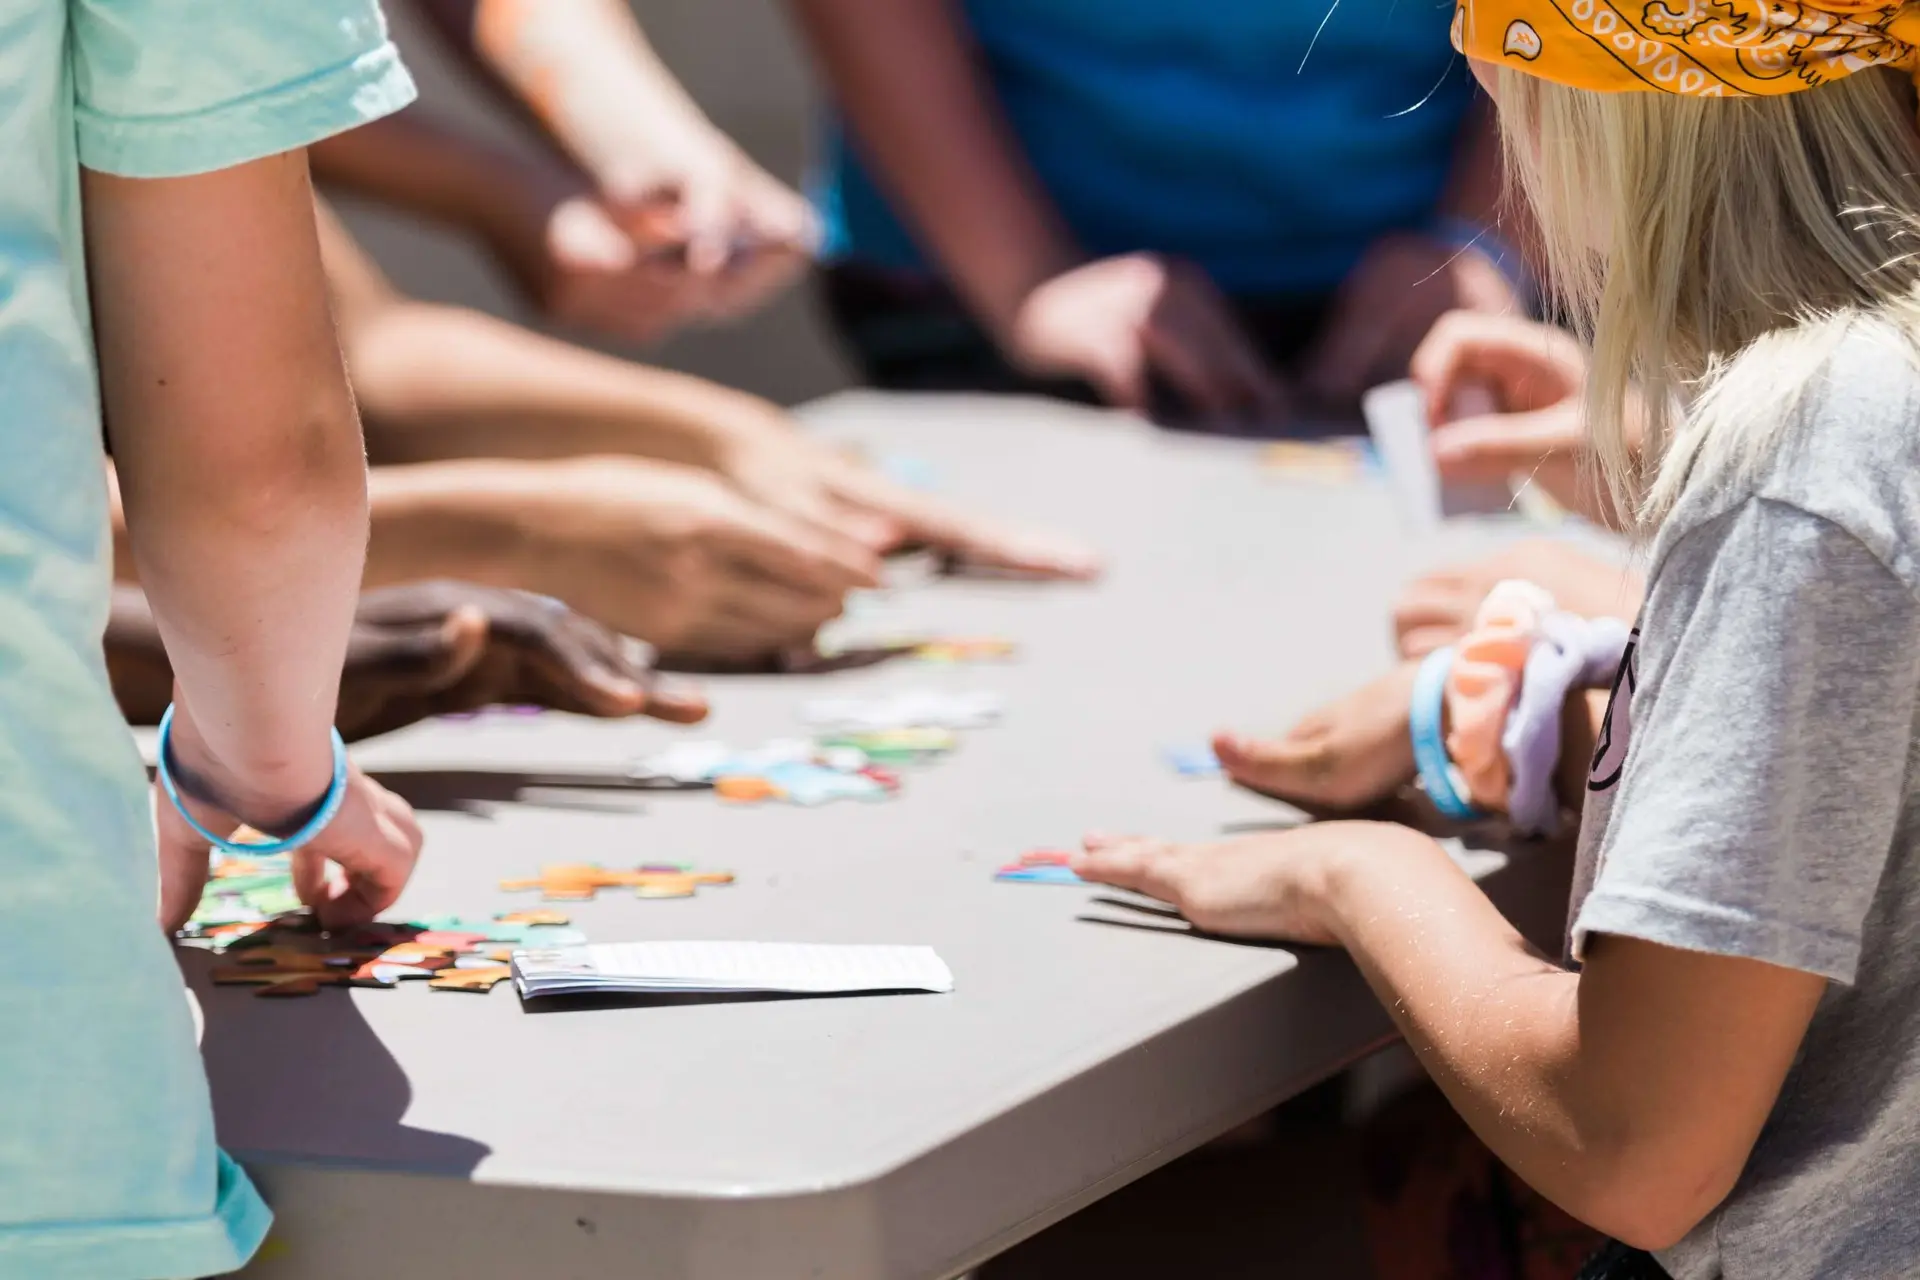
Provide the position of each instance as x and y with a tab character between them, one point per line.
678	999
306	1079
478	791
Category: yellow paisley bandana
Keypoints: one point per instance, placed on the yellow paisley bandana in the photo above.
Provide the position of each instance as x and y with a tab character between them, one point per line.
1703	48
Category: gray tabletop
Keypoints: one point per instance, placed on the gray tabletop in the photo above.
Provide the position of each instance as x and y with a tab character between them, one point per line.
428	1134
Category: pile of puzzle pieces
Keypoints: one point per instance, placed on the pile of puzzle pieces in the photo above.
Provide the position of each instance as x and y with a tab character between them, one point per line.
252	917
800	771
293	958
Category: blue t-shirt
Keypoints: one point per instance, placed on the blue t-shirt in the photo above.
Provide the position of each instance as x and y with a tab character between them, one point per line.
1271	141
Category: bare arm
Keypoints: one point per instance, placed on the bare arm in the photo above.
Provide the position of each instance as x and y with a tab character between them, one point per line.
439	382
589	77
413	163
240	462
1631	1094
906	79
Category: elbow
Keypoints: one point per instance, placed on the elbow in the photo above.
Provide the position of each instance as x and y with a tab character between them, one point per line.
315	471
1654	1199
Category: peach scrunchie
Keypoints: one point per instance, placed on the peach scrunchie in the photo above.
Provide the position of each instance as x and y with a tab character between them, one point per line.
1484	683
1698	48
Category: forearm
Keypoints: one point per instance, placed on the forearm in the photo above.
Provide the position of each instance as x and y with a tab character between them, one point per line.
1494	1023
586	72
443	175
239	457
440	382
464	520
913	94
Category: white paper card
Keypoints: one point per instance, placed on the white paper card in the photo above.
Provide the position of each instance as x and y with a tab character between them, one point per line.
646	968
1397	418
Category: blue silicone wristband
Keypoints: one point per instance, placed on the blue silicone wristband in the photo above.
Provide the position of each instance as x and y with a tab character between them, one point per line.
328	810
1438	776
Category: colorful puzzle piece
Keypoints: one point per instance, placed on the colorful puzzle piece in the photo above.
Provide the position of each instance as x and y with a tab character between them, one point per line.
581	881
280	971
895	746
1193	761
1042	866
964	649
480	979
1338	461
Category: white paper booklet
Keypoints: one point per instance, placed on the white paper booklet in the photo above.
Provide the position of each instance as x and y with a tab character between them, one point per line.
800	968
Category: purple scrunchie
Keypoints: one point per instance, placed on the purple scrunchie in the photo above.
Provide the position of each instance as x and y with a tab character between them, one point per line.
1571	652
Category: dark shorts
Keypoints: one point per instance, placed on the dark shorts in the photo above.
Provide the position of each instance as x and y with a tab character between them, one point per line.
908	332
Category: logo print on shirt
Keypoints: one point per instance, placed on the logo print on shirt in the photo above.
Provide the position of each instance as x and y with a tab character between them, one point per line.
1616	729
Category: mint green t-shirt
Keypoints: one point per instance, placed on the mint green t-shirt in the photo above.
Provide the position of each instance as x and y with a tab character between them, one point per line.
108	1168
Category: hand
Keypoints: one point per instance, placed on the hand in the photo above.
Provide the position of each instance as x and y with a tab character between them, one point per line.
628	272
1389	302
374	841
436	648
1438	607
1536	375
776	463
1118	322
1275	885
691	187
680	559
1344	757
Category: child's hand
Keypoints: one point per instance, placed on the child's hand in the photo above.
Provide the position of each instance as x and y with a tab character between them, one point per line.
374	840
767	457
1536	374
1274	885
681	559
1342	757
434	648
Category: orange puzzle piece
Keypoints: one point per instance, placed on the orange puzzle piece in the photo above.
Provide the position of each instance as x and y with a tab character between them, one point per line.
580	881
280	971
480	980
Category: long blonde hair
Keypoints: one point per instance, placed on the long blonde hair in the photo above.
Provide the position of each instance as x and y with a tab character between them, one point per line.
1714	251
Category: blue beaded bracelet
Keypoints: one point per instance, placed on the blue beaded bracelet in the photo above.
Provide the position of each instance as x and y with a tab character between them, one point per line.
1438	776
328	810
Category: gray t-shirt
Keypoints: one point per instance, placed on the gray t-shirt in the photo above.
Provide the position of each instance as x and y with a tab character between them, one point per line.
1756	792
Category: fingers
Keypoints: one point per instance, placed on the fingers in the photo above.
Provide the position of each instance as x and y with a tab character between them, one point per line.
1348	756
375	841
583	236
577	665
1495	446
183	865
706	214
813	560
1196	343
1434	611
750	279
1527	364
1129	862
976	540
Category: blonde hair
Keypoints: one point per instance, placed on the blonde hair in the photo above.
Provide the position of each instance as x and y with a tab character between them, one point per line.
1714	252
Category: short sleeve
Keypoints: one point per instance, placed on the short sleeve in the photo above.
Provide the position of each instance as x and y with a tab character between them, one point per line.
1771	730
165	88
